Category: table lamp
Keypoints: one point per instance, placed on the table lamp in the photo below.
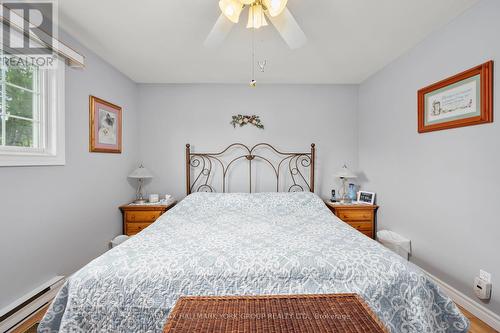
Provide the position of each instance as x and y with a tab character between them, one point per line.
140	174
344	174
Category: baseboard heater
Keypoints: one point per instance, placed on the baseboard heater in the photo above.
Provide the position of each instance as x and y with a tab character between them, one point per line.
16	313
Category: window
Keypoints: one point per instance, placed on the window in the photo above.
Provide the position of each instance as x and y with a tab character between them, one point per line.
20	108
31	115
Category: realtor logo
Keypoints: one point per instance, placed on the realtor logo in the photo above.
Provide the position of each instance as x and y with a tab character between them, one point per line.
28	29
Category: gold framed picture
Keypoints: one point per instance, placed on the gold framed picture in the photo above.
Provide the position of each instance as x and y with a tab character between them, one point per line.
462	100
105	126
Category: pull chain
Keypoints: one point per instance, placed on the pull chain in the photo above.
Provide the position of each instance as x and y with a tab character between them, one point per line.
253	83
262	65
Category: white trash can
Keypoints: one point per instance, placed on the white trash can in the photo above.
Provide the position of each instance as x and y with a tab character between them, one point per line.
395	242
118	240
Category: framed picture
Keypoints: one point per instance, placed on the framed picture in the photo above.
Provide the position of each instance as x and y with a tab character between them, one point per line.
366	197
462	100
105	126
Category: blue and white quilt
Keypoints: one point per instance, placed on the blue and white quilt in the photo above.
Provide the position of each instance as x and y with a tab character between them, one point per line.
246	244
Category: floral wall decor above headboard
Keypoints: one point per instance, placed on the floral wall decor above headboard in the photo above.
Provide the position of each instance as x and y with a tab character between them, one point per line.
242	120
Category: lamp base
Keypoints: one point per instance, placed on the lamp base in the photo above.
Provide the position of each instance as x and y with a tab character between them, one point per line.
140	201
345	201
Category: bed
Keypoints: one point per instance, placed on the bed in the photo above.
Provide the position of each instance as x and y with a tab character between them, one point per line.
246	244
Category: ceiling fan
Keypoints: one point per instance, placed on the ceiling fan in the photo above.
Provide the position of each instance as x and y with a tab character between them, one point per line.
275	10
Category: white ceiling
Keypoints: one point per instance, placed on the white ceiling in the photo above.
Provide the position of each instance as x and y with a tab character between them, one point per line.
161	41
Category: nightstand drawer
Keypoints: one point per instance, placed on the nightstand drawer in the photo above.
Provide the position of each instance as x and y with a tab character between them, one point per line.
367	233
134	228
360	217
356	215
361	226
144	216
139	217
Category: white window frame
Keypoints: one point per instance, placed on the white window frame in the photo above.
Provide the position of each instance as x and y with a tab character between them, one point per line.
53	151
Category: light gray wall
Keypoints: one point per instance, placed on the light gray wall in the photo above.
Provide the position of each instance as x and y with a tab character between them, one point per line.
439	189
55	219
294	116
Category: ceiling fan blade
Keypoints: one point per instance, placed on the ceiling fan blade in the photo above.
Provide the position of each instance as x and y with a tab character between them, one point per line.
219	32
289	29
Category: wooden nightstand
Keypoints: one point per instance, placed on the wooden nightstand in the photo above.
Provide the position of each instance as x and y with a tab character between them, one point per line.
360	217
139	217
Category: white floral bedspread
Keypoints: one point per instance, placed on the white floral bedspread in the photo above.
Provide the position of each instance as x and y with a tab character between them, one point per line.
245	244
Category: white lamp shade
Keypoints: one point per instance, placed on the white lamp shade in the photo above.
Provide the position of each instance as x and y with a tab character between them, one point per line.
256	18
275	7
345	173
141	173
231	9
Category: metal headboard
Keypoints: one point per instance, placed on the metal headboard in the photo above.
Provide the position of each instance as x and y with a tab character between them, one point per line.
293	164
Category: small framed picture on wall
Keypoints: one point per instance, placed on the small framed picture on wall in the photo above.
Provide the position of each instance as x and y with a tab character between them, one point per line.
105	126
366	197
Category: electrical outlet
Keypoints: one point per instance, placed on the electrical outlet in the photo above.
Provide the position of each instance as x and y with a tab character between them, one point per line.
482	289
485	276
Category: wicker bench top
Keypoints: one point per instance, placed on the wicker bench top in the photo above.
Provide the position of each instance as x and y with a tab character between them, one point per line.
340	313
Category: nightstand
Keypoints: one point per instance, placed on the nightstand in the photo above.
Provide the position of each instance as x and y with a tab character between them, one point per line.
361	217
139	217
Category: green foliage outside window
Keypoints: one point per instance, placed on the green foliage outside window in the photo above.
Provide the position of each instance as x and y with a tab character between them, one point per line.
18	120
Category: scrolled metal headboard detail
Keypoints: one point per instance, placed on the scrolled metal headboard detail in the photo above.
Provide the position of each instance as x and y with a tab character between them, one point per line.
293	164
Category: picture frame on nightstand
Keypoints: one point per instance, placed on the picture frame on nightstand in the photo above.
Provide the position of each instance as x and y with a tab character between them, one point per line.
366	197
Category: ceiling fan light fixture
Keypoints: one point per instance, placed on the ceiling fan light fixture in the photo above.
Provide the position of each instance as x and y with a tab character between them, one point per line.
256	17
231	9
275	7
